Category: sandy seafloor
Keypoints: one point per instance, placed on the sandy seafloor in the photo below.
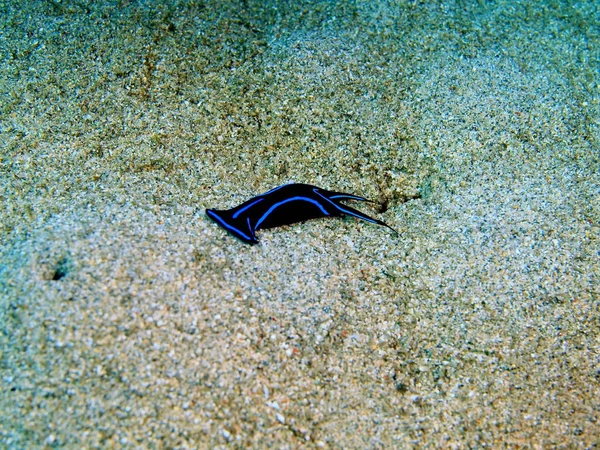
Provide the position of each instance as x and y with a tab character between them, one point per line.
130	320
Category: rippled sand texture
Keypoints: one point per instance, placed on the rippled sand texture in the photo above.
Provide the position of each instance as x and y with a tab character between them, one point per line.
128	319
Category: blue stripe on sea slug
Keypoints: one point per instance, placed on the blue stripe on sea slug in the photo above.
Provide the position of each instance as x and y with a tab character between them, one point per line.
272	209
